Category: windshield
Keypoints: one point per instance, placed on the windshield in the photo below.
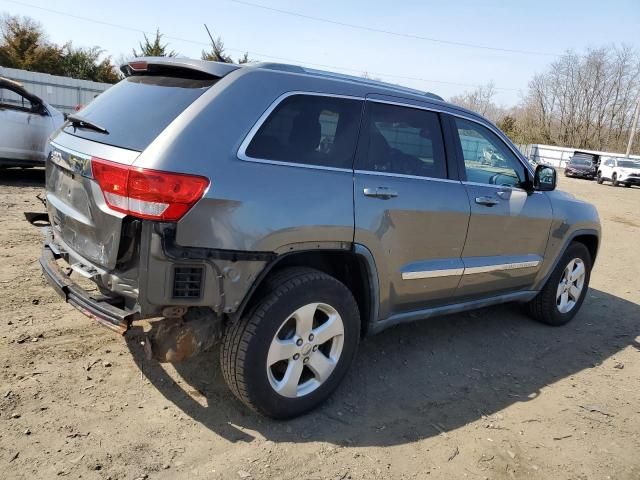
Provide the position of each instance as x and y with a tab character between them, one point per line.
580	161
628	164
137	109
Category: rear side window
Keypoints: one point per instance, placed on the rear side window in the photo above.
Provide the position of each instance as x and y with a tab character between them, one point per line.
310	130
404	140
137	109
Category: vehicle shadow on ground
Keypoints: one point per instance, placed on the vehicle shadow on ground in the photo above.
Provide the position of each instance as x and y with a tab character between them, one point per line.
17	177
418	380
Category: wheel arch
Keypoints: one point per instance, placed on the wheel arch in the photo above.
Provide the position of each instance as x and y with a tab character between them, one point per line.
354	267
590	238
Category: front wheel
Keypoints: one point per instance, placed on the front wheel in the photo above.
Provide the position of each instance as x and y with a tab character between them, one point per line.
563	294
294	347
614	180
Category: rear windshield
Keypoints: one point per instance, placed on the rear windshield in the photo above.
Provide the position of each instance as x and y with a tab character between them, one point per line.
137	109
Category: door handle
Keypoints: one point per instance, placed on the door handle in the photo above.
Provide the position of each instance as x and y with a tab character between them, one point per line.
383	193
487	201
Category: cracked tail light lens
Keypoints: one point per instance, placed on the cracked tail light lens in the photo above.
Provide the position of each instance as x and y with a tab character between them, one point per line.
145	193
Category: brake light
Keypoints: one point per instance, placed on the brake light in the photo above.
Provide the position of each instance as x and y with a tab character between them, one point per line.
138	66
145	193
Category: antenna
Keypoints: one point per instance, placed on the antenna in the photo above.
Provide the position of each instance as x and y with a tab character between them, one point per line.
213	43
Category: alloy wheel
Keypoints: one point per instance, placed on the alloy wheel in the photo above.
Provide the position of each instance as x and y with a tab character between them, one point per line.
571	285
305	350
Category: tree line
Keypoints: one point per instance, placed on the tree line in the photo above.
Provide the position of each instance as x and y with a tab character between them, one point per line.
583	100
24	45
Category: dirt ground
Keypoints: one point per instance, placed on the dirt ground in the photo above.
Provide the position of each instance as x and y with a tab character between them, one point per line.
488	394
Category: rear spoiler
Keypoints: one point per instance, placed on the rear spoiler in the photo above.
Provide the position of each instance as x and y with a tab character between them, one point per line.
141	65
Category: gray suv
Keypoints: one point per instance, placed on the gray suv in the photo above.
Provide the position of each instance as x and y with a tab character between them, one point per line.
286	213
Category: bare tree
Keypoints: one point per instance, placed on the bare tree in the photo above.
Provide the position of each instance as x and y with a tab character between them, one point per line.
481	101
584	101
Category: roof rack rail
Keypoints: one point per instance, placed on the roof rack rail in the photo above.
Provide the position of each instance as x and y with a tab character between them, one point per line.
284	67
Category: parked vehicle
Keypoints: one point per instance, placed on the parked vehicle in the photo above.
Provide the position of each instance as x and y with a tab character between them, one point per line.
26	122
620	171
582	165
288	212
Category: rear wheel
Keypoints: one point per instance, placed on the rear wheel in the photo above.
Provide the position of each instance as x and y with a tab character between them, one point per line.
614	180
627	185
599	178
291	351
563	294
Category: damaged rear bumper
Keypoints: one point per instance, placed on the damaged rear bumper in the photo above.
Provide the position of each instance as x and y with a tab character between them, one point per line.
101	308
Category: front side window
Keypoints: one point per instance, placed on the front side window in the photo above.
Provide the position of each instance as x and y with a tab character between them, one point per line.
14	101
486	158
403	140
311	130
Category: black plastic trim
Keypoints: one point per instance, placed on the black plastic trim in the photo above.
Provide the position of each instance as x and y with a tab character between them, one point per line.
100	309
177	252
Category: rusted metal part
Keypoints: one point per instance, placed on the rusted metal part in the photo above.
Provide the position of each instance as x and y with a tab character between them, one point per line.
176	339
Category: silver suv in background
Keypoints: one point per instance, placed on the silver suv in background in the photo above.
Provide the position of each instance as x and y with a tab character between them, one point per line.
288	212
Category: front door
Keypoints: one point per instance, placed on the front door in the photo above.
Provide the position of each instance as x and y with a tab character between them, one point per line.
408	211
24	130
509	226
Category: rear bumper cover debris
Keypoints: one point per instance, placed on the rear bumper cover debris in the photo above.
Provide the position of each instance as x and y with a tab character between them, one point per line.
99	307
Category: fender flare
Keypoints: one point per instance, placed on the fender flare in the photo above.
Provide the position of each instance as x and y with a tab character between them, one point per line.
359	250
577	233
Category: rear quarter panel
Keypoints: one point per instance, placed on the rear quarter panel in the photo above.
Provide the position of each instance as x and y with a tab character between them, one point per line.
251	206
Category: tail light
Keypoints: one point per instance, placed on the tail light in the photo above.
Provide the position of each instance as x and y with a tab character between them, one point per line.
145	193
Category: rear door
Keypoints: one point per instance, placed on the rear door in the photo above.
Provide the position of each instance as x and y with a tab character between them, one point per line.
509	227
409	210
607	168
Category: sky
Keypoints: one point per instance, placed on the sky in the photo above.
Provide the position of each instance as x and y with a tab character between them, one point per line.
413	51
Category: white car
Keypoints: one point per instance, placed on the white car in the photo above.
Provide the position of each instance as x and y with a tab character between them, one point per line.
620	171
26	122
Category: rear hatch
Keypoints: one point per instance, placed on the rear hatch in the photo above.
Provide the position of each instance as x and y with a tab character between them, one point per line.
85	203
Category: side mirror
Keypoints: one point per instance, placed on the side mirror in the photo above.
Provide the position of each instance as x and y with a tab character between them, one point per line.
39	109
545	178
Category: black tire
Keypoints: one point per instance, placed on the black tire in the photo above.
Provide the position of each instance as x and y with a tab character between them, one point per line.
627	185
246	342
543	307
614	180
599	178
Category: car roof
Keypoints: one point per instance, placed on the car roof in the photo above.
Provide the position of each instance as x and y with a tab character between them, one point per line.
221	69
341	77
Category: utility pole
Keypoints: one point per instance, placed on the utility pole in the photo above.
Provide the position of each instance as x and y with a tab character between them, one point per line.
634	125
